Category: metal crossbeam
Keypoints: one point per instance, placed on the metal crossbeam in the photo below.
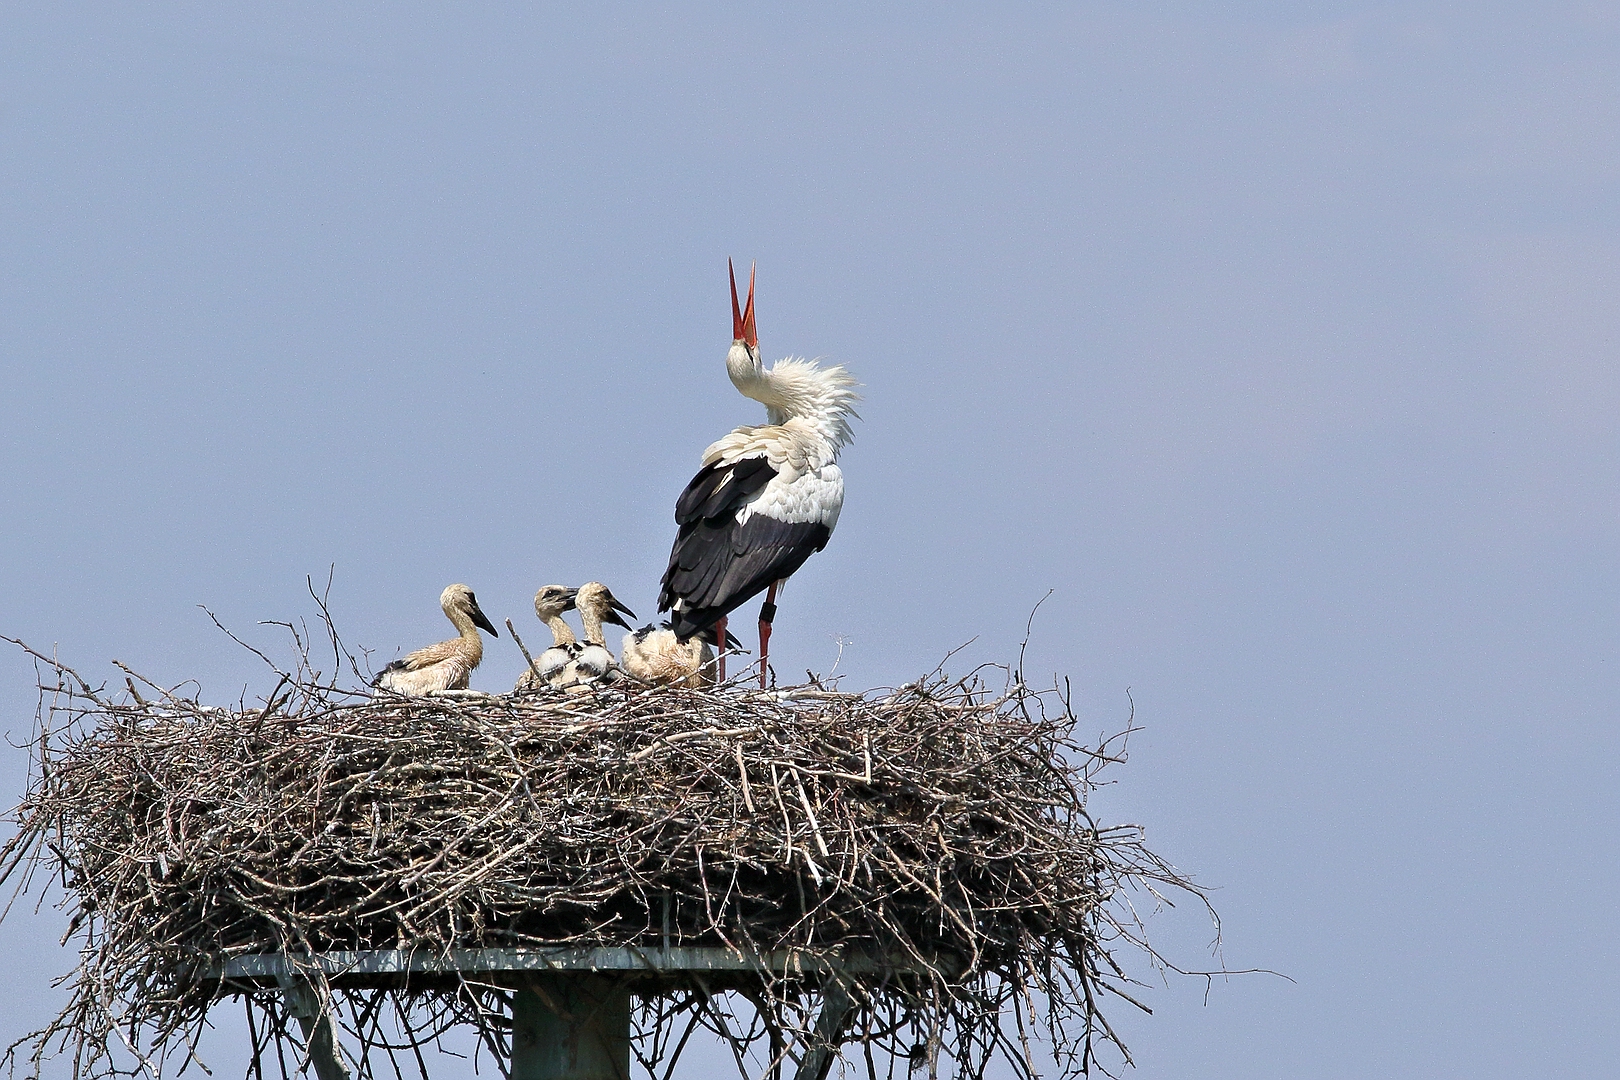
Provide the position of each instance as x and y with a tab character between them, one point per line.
377	962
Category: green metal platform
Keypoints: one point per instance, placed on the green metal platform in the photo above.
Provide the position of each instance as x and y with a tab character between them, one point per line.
571	1006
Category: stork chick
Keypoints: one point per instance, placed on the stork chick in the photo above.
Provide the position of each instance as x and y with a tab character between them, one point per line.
767	496
658	657
449	664
549	604
595	665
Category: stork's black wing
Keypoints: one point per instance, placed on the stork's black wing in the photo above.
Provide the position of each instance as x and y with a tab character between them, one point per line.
717	564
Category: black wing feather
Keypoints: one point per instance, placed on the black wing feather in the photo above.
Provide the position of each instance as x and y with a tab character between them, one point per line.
721	490
717	565
393	665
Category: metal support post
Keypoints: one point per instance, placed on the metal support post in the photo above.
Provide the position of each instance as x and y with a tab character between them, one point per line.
829	1033
571	1027
315	1018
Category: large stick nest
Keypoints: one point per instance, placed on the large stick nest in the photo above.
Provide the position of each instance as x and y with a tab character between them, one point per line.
941	825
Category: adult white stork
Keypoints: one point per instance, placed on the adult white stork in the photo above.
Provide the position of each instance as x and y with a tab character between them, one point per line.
768	495
447	665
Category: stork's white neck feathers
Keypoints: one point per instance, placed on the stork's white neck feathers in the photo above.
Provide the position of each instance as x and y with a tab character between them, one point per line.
797	389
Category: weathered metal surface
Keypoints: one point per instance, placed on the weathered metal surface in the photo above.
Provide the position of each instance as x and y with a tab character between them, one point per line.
829	1033
571	1027
320	1034
369	965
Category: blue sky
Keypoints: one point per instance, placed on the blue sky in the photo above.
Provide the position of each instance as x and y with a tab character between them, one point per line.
1278	341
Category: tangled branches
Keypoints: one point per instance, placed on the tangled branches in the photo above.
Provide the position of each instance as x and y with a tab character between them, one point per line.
939	831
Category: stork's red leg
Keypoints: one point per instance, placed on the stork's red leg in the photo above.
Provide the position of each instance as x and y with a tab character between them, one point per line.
767	614
720	648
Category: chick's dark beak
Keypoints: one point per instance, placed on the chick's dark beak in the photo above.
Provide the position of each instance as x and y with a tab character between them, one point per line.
481	620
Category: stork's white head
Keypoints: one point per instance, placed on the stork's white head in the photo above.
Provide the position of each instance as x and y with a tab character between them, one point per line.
790	388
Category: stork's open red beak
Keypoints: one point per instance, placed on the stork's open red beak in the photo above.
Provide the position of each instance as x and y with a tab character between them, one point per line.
742	318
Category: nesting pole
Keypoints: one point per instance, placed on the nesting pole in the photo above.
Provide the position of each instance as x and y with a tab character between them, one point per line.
315	1019
571	1027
